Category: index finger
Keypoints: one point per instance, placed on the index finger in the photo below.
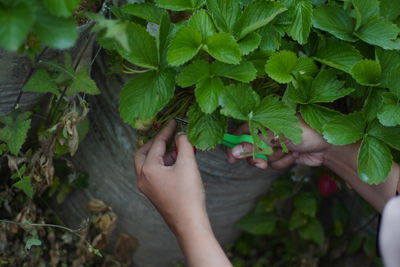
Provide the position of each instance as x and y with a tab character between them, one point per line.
140	155
157	149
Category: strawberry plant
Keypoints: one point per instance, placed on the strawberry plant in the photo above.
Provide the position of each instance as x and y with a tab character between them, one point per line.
295	225
334	63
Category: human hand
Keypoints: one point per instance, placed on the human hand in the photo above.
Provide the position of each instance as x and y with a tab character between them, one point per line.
310	151
171	182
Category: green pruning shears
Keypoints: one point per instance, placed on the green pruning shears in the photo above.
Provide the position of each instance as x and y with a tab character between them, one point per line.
231	140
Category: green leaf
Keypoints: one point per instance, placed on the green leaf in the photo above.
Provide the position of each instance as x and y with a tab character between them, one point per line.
207	93
281	65
388	135
326	88
279	118
259	134
345	129
271	37
180	5
59	33
32	241
25	185
374	161
367	72
238	100
244	72
15	23
372	104
223	47
297	220
94	251
339	55
365	10
224	13
144	11
3	149
15	131
305	66
61	8
146	94
390	63
389	112
306	203
202	22
82	83
205	131
258	224
41	82
193	73
142	47
299	91
334	20
184	46
313	231
380	32
258	58
369	247
301	26
390	9
164	38
256	15
317	116
354	244
249	43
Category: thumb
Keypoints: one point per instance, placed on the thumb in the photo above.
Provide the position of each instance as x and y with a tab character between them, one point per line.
185	149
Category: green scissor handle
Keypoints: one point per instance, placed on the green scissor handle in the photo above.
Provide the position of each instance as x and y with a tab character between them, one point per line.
231	141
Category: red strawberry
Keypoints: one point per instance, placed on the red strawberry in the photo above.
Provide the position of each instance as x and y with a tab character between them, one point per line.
326	185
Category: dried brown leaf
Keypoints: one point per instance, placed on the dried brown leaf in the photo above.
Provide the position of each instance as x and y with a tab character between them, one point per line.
106	222
97	206
125	248
100	241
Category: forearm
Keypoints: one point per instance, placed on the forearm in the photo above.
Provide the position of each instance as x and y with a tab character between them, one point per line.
343	161
200	246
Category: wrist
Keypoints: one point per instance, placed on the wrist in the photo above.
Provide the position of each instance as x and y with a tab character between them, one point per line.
190	220
192	227
333	154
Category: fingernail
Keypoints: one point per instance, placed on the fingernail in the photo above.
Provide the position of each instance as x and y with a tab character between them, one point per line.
180	133
260	165
237	151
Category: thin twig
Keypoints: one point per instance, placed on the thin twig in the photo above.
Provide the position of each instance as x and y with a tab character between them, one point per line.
76	64
362	227
41	225
30	73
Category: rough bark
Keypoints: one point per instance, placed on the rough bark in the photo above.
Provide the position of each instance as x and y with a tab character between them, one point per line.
106	154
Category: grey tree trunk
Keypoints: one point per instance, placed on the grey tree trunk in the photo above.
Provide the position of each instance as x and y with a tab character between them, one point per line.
106	154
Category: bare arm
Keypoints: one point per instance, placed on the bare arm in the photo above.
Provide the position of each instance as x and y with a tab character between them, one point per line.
173	184
199	245
343	161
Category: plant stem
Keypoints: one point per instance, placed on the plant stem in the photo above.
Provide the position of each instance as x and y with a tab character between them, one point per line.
30	73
